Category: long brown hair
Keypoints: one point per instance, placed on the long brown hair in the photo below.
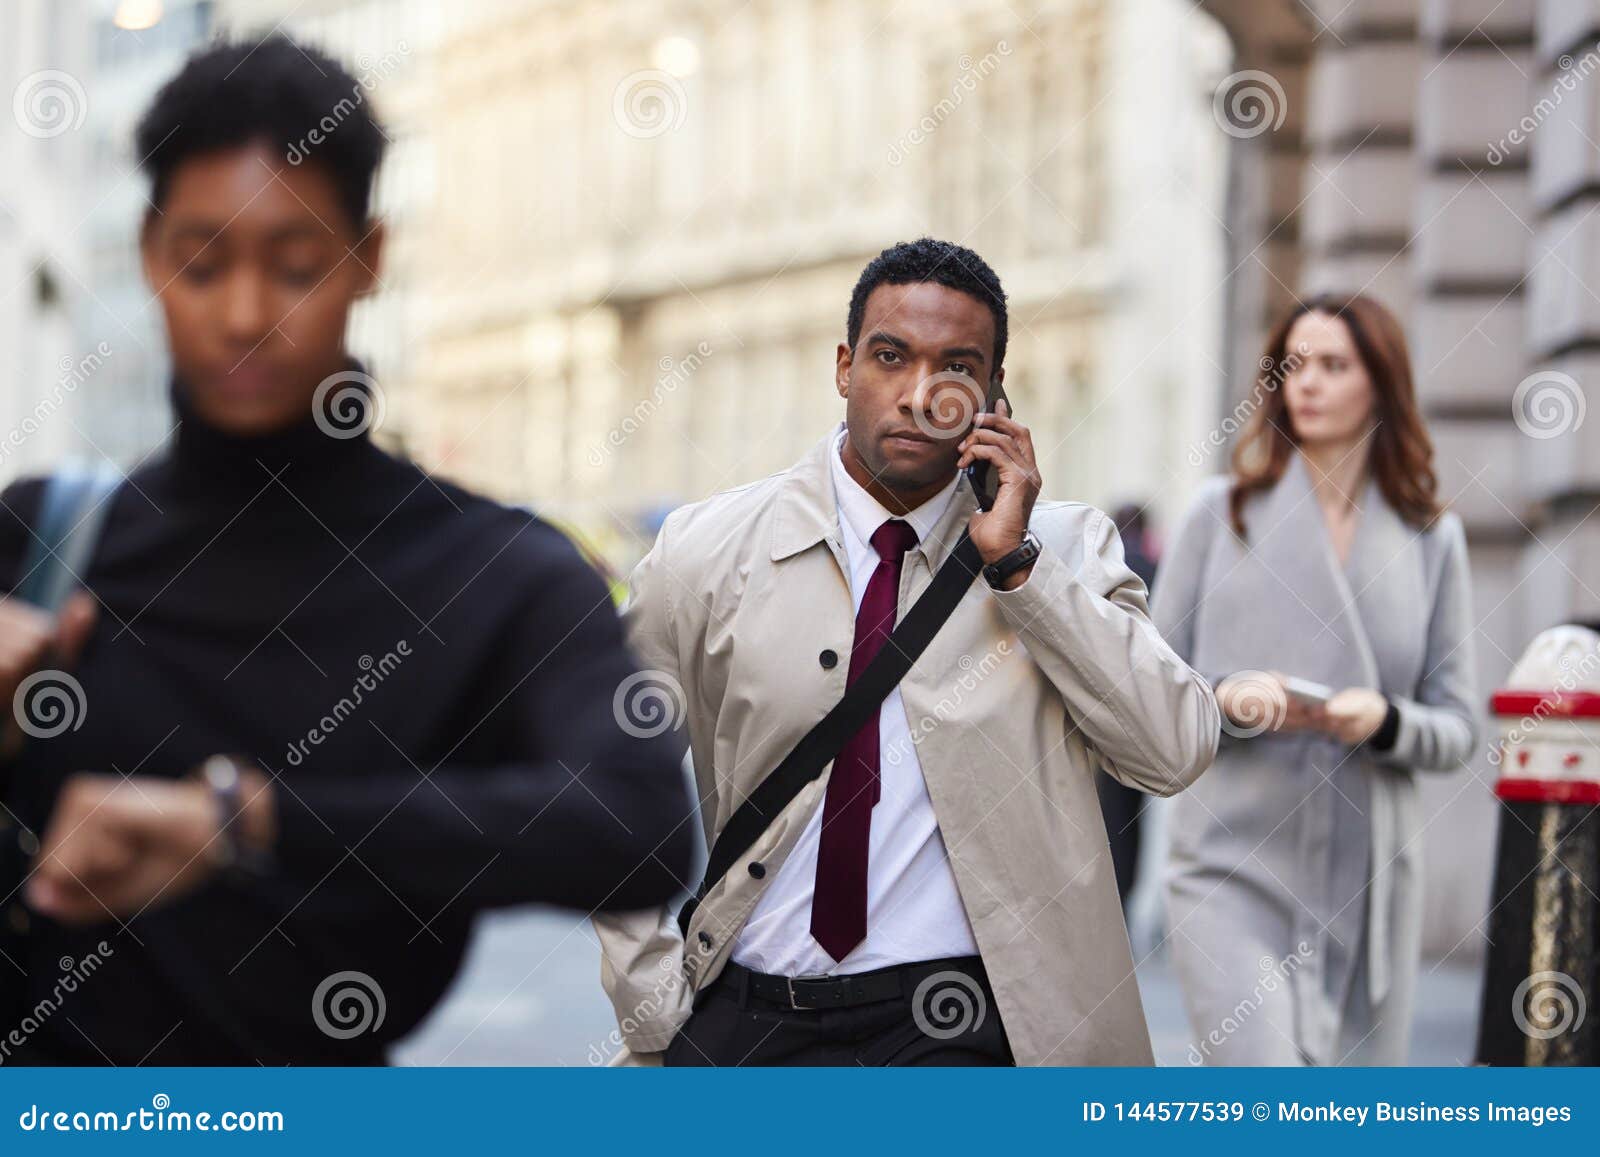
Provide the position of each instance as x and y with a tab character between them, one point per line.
1401	456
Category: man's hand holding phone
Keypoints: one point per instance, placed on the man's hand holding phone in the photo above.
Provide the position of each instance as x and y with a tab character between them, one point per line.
1007	446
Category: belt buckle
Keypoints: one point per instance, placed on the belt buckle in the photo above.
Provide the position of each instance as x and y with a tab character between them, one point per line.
794	996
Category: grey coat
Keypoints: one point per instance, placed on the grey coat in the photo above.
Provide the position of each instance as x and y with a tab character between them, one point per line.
1294	875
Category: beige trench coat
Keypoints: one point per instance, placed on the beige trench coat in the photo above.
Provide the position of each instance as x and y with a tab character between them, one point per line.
1014	704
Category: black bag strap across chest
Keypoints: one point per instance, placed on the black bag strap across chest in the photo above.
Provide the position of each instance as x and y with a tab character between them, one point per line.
819	745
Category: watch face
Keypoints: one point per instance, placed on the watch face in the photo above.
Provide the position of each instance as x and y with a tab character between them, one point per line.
221	773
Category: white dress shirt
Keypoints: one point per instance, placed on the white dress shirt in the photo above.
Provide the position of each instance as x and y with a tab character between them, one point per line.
914	911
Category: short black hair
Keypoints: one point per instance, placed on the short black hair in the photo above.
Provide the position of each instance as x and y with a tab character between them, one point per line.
269	89
942	262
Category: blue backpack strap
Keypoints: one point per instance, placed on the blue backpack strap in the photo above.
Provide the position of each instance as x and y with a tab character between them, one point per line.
76	500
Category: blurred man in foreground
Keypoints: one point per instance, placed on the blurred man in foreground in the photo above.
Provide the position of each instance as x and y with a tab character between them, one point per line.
326	708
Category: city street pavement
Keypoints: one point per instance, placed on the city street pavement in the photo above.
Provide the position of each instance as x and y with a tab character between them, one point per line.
1443	1033
530	994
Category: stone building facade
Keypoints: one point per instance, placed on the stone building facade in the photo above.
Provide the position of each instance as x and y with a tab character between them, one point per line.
43	156
650	217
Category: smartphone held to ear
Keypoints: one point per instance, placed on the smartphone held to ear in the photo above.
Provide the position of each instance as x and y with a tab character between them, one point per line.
983	476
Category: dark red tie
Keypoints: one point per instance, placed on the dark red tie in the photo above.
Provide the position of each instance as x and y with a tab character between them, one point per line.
839	903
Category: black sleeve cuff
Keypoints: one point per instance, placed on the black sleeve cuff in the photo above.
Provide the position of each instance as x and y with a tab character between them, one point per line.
1388	731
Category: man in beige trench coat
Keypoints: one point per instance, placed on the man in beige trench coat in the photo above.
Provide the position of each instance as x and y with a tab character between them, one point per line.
968	913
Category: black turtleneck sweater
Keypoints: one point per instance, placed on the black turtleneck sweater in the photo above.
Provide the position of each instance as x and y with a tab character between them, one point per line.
458	662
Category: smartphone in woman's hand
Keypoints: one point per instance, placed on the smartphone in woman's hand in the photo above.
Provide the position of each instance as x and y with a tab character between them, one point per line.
1313	694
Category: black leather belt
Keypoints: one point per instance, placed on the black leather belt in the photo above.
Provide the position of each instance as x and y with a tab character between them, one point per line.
801	993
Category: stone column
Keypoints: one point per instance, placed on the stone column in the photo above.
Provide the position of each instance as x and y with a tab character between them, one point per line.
1262	105
1556	440
1471	235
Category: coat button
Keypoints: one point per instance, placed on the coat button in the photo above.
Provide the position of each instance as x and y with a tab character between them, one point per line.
27	843
757	869
17	917
829	659
705	940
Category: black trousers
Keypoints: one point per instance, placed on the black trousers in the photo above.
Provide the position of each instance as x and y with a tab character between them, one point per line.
945	1014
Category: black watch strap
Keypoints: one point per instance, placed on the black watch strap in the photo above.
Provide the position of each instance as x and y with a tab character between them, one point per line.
1003	568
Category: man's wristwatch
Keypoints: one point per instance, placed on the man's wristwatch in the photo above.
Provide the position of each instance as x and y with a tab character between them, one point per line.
997	572
223	776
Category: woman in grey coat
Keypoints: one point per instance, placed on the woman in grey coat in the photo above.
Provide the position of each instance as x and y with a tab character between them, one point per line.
1294	876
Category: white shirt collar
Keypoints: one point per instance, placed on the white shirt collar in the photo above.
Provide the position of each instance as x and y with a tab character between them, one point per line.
861	514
